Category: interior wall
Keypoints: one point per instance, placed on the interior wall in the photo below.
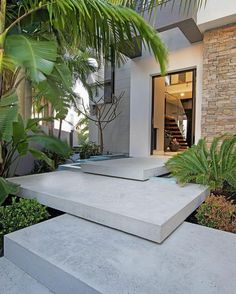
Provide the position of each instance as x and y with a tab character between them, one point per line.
142	70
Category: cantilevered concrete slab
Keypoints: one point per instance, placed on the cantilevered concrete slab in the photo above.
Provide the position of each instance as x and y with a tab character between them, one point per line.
15	281
151	209
72	255
129	168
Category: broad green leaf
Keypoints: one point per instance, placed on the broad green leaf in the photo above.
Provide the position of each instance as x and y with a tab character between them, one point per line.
37	57
58	89
8	115
42	156
19	137
7	188
52	144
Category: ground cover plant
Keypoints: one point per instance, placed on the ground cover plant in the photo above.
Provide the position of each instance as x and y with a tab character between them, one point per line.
20	213
217	212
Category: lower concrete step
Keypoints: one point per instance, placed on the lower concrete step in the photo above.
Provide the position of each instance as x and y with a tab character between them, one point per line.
71	255
152	209
13	280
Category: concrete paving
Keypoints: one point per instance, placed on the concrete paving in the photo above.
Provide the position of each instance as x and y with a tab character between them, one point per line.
152	209
140	169
14	281
72	255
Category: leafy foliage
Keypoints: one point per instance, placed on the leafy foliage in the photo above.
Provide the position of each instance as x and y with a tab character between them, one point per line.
97	24
57	89
42	166
20	143
6	188
21	214
36	56
82	128
217	212
88	149
8	115
214	166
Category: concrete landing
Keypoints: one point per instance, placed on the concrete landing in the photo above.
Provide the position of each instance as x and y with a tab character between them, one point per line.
140	169
71	255
152	209
14	281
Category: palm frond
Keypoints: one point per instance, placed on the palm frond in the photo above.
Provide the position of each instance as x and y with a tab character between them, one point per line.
99	24
214	167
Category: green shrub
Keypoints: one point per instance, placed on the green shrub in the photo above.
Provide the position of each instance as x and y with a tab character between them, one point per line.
88	149
217	212
20	214
214	166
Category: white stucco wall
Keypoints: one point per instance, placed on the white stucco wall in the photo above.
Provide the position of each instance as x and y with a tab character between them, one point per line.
142	71
216	13
116	134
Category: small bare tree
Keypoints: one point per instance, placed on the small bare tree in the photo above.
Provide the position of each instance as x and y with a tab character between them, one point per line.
102	114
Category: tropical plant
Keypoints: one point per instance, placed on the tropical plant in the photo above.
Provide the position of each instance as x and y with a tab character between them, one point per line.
214	166
24	135
17	138
41	166
82	129
88	149
217	212
39	47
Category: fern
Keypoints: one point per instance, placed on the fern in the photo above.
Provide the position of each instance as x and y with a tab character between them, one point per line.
214	166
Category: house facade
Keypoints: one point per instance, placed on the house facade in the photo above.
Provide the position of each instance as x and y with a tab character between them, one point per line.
197	97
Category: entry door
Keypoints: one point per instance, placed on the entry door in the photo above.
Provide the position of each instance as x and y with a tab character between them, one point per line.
173	110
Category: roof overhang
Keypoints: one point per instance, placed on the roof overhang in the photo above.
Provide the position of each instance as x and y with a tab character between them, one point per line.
168	17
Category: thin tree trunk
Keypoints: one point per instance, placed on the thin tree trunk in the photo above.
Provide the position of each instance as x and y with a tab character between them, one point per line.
50	123
2	40
20	91
28	99
59	131
101	140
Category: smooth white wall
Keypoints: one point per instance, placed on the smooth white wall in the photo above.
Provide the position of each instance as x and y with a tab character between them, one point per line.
216	13
142	71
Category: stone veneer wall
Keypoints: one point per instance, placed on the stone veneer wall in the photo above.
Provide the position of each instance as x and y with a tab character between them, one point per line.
219	82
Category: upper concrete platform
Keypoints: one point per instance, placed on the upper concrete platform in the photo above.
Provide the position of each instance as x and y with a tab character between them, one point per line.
71	255
152	209
129	168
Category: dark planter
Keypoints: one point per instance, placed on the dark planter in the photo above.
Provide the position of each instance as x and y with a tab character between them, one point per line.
174	147
84	155
167	143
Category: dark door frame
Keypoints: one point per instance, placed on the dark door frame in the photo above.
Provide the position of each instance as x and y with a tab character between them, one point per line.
153	130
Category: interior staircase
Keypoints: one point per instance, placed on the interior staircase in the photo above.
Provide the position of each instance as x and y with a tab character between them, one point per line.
172	127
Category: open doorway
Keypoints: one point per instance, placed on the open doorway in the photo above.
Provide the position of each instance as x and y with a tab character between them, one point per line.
173	112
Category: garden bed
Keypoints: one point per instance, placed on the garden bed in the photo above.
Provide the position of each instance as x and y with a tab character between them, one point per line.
18	213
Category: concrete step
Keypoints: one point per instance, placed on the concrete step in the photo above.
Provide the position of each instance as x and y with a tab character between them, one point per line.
129	168
152	209
13	280
75	256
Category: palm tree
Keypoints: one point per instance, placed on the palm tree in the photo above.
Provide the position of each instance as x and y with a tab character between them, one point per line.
36	35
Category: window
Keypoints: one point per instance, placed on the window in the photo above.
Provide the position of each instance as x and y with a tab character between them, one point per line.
109	83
